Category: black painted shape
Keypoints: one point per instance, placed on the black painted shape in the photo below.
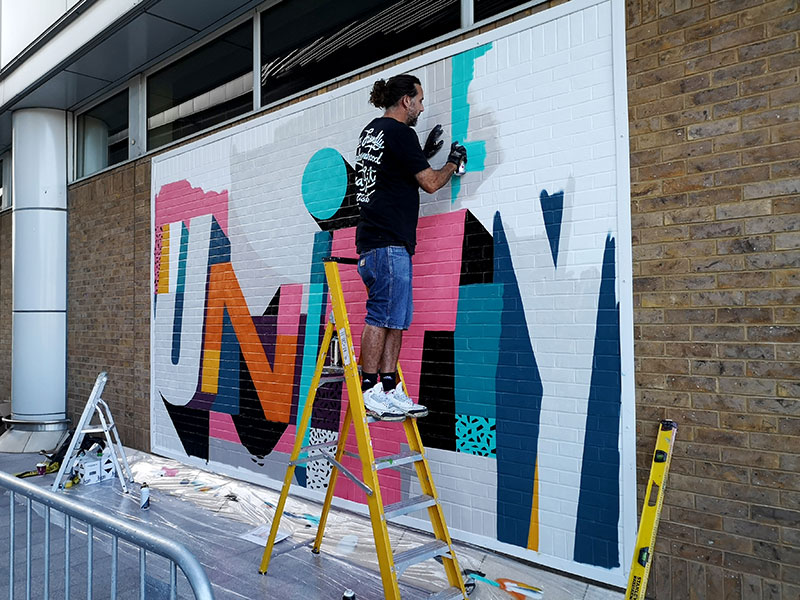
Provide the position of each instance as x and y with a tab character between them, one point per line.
258	435
437	391
347	215
477	253
192	426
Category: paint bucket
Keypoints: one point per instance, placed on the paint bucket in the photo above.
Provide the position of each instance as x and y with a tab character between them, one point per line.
349	595
41	468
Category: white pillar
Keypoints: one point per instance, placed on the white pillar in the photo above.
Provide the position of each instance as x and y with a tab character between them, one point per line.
39	263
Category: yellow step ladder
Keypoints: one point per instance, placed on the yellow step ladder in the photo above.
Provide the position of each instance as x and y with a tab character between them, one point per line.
651	511
391	565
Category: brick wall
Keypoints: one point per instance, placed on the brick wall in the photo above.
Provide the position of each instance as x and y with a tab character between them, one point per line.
108	319
715	139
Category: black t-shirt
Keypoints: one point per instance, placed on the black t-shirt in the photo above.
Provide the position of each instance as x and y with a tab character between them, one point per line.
387	160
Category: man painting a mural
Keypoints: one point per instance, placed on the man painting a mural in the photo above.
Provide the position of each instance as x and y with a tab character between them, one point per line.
390	168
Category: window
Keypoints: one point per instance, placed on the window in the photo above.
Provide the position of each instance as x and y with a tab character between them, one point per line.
102	134
211	85
305	42
489	8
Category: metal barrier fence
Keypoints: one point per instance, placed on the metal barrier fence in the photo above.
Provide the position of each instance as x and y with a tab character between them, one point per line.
136	535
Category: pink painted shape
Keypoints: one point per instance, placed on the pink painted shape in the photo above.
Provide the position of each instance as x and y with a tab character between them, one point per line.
179	201
159	238
289	309
437	272
221	427
286	443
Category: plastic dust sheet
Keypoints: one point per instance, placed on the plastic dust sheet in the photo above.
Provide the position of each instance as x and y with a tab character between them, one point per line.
348	536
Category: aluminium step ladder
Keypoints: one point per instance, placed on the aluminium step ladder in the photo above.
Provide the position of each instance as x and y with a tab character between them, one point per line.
337	332
107	427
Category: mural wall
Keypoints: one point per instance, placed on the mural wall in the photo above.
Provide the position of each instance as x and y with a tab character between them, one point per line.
521	344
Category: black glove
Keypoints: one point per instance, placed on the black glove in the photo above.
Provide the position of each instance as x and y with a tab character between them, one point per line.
458	154
432	146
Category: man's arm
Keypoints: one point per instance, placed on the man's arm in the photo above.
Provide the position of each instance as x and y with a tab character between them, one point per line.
432	180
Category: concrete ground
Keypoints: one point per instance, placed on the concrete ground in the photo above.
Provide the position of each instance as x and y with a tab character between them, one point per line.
209	514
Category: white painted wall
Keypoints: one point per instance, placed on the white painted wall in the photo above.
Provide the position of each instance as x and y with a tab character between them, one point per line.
22	21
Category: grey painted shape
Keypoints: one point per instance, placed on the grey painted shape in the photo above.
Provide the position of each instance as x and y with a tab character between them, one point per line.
235	455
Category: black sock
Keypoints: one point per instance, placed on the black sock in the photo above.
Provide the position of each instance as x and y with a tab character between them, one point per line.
389	381
368	380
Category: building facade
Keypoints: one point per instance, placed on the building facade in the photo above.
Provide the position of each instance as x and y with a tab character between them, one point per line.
622	249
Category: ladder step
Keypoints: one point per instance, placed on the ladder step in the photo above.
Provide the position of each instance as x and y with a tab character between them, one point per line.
450	593
95	429
395	460
408	505
419	554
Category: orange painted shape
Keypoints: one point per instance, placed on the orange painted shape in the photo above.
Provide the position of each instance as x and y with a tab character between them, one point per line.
519	590
533	532
163	271
273	383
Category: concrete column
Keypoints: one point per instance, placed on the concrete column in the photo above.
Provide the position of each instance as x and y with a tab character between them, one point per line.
39	326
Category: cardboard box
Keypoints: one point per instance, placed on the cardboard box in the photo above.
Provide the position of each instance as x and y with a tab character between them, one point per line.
94	469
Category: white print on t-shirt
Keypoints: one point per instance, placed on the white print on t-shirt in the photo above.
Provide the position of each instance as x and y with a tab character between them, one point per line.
369	156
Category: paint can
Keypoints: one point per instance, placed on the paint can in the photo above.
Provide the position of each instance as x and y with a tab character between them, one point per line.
41	468
144	498
349	595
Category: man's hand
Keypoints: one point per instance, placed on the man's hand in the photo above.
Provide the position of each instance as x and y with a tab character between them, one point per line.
432	146
458	156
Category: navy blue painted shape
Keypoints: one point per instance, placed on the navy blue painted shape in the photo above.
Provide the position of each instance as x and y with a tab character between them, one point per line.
519	403
596	533
177	322
552	211
219	246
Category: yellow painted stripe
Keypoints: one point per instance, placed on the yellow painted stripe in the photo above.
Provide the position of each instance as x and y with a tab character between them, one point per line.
210	371
163	273
533	532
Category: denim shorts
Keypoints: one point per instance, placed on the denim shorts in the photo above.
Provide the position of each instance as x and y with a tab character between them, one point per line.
387	274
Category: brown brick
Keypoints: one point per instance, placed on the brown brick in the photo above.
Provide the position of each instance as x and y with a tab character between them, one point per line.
776	406
750	458
665	332
722	368
683	19
747	564
665	267
785	169
659	75
743	175
718	402
776	516
709	28
771	46
745	386
742	422
784	96
775	116
728	298
740	106
739	71
768	82
780	187
737	37
642	126
771	153
716	264
639	65
714	95
688	183
789	60
687	150
779	479
711	61
787	315
689	316
645	157
744	315
724	7
768	12
660	171
663	365
690	282
661	138
745	139
685	85
787	351
756	279
776	224
715	162
774	369
691	349
787	278
785	133
691	383
744	245
773	260
686	117
695	214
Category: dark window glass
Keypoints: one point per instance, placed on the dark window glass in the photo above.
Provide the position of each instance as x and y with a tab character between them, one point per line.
103	135
489	8
305	42
212	84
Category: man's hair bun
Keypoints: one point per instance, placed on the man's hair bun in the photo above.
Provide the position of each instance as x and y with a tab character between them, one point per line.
377	96
385	94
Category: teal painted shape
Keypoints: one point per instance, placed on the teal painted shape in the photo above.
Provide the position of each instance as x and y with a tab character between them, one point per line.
476	342
317	299
463	74
324	183
476	435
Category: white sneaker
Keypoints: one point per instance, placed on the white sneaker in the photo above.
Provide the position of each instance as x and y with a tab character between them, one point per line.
378	406
400	401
